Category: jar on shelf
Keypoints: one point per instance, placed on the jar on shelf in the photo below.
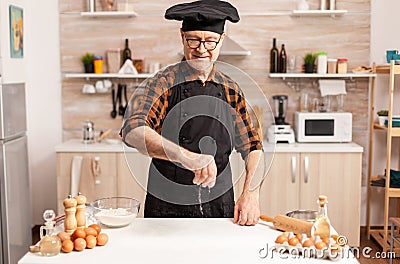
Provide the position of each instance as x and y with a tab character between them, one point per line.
98	64
342	65
332	66
321	62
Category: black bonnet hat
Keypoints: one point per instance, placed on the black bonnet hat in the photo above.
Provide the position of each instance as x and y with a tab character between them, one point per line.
206	15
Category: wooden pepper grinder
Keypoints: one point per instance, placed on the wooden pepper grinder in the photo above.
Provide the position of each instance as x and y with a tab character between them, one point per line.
80	210
70	210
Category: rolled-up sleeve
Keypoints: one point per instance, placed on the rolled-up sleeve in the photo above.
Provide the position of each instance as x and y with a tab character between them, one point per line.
246	136
151	109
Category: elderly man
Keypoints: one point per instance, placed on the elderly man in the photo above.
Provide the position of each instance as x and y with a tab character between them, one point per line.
191	118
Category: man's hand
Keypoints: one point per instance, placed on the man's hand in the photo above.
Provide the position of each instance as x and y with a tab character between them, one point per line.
203	166
247	208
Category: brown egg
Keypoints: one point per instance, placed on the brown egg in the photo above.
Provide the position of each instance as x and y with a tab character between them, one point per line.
102	239
298	236
90	231
67	246
308	243
320	245
91	241
334	237
294	241
96	227
326	240
79	244
63	236
281	239
78	233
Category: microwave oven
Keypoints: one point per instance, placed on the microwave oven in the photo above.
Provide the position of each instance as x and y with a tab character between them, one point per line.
323	127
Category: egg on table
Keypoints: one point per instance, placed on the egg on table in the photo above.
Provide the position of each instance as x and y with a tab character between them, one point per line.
281	239
308	243
294	241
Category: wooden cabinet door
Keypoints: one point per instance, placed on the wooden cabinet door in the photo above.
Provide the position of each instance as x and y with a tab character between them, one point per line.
133	170
338	176
105	185
279	191
309	181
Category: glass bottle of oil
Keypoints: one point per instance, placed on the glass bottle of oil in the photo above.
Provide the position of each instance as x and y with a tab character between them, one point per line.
50	244
322	225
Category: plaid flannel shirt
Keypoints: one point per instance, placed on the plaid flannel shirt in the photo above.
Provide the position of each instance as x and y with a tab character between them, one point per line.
152	110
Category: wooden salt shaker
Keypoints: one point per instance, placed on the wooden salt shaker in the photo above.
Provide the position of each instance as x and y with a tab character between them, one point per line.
80	210
70	210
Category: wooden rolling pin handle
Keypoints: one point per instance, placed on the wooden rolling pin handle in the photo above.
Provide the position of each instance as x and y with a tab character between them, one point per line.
266	218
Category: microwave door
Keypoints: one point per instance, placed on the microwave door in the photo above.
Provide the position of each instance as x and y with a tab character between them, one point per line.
320	127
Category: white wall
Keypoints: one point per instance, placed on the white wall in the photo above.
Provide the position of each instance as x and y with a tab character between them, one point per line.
43	101
384	28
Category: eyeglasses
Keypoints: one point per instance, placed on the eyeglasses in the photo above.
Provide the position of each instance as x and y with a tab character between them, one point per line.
208	45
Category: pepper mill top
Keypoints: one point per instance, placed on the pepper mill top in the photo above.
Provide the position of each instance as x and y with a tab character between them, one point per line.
69	202
80	199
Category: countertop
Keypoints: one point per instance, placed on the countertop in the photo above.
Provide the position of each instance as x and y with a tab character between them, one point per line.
76	145
183	240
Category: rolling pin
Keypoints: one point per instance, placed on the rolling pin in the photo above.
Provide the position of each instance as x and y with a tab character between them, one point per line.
289	224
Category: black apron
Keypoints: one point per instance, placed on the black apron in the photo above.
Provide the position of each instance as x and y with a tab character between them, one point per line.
198	119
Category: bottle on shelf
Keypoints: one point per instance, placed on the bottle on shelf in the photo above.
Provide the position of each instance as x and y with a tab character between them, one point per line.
322	62
332	5
322	225
126	53
282	60
274	61
323	5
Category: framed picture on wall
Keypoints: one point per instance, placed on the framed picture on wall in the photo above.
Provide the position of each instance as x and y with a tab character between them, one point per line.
16	32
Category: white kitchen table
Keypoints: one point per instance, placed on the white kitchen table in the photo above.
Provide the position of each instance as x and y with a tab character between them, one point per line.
184	240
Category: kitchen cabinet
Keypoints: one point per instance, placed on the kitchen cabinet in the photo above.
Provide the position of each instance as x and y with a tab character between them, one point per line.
295	180
115	178
106	181
132	171
291	184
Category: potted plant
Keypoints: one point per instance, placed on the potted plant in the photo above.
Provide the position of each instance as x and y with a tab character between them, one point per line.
382	116
309	61
87	61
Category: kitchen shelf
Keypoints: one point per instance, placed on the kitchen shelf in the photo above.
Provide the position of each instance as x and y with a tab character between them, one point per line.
385	69
382	236
316	75
331	13
395	130
108	75
110	14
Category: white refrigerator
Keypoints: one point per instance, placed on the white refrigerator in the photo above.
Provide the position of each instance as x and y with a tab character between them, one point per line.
15	204
15	216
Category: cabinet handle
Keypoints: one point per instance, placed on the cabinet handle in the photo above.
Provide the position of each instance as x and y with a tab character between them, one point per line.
294	169
306	170
96	169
